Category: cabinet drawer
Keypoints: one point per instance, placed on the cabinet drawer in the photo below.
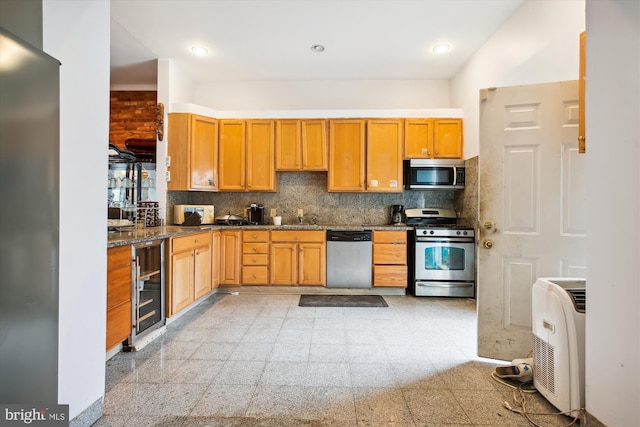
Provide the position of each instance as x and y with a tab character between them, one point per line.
255	259
390	276
179	244
255	275
118	286
255	236
297	236
389	236
388	253
118	324
255	248
117	257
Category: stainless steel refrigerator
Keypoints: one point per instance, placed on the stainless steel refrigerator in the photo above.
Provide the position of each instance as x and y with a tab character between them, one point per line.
29	222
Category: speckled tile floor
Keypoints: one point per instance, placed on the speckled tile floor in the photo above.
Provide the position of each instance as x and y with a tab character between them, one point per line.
260	360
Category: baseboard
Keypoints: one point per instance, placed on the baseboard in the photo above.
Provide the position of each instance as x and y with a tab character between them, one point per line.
89	416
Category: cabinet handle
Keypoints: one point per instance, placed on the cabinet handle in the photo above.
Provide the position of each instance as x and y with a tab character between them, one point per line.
196	240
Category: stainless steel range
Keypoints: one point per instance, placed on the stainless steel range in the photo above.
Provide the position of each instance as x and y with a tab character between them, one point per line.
442	254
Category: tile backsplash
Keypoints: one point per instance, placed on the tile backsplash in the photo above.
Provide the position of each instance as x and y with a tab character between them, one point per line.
308	191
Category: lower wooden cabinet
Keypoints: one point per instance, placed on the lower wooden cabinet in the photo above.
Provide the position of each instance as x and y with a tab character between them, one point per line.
118	295
390	258
298	258
230	256
255	257
189	270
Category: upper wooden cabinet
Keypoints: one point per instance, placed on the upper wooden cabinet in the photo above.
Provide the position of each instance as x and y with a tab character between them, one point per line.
261	173
433	139
346	155
247	155
582	134
232	155
384	155
193	148
301	145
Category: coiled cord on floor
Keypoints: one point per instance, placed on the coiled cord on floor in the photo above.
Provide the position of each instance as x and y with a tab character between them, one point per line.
519	393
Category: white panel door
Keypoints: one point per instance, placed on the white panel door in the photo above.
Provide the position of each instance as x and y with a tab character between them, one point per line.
532	216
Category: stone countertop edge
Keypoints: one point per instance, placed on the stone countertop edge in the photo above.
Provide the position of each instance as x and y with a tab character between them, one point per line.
131	236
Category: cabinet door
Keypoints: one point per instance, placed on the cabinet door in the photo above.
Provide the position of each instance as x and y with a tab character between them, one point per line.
582	134
346	155
118	286
203	153
418	138
312	264
288	146
202	274
231	167
447	139
182	277
230	255
314	145
384	156
283	264
118	324
261	172
178	150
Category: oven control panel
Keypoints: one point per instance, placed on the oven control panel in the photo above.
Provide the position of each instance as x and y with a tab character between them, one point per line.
444	232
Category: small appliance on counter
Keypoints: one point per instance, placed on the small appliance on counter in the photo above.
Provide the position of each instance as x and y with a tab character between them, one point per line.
230	219
397	215
182	212
255	214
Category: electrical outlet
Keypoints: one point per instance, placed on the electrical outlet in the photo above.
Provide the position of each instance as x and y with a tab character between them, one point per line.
168	161
300	212
272	213
168	176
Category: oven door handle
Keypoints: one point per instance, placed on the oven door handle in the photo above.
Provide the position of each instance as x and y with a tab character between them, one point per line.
444	285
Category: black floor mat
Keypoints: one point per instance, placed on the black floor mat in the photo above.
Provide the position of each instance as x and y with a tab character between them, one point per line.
342	301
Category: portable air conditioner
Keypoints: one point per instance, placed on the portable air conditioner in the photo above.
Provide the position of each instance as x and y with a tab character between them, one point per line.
558	310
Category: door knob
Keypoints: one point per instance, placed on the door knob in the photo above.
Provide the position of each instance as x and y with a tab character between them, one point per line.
488	244
488	225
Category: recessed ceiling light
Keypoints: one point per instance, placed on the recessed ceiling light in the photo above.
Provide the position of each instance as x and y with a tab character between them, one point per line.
200	50
441	48
317	48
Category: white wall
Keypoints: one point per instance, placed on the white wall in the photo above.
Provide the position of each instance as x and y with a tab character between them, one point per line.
538	44
323	94
77	34
613	180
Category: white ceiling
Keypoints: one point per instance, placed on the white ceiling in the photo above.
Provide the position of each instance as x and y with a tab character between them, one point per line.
271	39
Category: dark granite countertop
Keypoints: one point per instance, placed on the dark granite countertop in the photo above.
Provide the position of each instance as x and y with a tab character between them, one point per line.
132	235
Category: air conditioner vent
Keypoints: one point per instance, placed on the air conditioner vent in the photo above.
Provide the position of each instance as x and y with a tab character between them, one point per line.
544	369
579	298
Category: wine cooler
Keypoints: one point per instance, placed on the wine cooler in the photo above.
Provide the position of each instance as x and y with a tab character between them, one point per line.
147	290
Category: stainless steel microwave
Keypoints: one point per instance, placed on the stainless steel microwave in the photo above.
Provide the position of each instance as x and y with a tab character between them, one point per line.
434	174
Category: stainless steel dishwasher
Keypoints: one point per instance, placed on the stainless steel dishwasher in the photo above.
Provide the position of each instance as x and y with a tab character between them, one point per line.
349	258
